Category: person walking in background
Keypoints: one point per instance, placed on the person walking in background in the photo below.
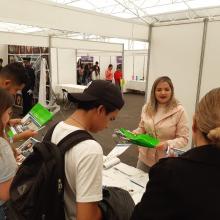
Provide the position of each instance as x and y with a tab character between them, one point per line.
164	118
96	71
1	64
27	91
187	187
109	73
8	164
86	75
118	76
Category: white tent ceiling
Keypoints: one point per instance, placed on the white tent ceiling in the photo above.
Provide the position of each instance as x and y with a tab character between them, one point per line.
150	11
132	15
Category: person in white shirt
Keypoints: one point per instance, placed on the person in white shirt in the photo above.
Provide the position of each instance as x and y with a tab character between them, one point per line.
96	107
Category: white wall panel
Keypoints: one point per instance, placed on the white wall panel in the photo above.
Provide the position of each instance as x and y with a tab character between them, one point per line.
128	68
54	67
23	39
145	66
46	14
175	52
66	66
138	66
85	45
211	68
104	62
4	53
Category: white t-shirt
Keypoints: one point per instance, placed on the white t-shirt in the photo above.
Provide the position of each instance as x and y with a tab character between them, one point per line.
83	170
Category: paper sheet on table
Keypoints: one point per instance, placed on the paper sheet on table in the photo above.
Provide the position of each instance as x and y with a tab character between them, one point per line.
126	169
140	180
108	163
118	150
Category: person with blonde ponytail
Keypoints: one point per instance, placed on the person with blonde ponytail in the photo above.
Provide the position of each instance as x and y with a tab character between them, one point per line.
165	118
188	187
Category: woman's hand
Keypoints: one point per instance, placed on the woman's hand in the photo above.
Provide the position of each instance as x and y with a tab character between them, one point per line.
15	121
24	135
163	146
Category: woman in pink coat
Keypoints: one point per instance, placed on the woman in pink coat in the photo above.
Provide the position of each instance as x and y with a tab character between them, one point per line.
164	118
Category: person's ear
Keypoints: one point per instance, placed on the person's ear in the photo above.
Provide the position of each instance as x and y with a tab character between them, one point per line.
101	110
7	83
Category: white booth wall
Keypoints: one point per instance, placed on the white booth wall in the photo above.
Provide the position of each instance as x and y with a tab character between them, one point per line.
135	64
66	63
211	68
4	53
176	52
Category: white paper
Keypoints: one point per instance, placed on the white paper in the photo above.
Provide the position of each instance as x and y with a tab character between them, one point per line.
140	180
111	162
118	150
128	170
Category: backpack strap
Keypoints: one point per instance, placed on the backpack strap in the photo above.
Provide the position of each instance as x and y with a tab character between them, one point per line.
70	140
49	133
73	139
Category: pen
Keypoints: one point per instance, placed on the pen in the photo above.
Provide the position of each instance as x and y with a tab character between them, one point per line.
136	183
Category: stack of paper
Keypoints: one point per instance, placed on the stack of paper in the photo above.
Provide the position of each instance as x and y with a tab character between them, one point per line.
112	158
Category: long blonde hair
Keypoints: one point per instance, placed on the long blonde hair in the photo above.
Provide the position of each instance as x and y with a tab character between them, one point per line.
152	104
207	116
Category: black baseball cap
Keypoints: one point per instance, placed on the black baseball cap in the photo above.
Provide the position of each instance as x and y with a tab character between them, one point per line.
99	90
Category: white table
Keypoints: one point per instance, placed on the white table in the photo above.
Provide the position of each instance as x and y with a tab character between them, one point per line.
71	88
122	175
138	85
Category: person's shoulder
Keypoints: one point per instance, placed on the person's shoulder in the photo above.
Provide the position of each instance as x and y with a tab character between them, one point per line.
90	147
180	107
167	165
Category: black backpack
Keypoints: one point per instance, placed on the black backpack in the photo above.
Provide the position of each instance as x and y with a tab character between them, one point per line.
117	204
37	190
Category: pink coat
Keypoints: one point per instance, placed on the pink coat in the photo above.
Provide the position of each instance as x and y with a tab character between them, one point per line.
172	127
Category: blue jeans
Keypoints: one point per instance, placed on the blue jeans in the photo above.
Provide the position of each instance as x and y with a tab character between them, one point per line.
2	212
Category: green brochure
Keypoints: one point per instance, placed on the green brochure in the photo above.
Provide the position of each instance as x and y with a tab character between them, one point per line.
36	118
143	140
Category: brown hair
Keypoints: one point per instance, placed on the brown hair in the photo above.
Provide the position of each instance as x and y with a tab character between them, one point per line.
152	104
6	101
207	116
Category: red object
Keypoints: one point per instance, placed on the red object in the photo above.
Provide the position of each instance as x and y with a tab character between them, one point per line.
118	75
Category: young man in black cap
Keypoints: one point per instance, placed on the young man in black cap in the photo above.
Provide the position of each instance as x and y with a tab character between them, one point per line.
96	107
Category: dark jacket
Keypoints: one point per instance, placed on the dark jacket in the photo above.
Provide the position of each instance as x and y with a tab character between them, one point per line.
30	79
183	188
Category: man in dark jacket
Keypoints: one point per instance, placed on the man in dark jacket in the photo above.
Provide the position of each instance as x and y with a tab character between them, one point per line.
27	91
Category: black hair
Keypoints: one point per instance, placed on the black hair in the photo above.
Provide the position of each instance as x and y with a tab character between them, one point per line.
1	60
15	72
110	65
95	104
